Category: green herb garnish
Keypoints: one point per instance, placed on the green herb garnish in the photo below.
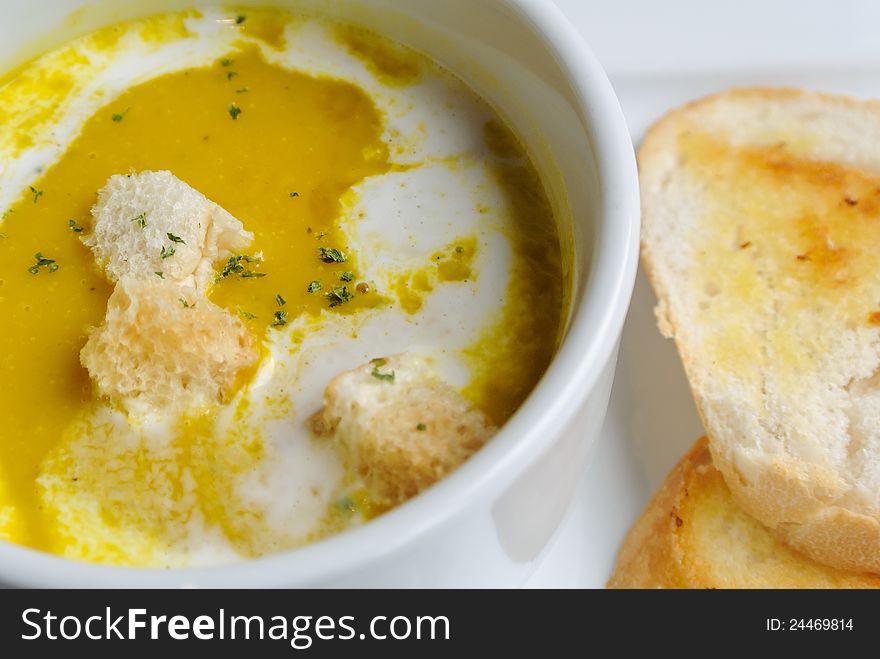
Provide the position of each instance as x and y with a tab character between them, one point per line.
280	319
225	61
376	373
294	194
119	117
247	315
175	239
230	75
243	90
37	193
314	287
280	300
421	427
186	305
346	276
235	266
167	253
240	19
330	255
234	111
339	295
159	274
42	262
73	227
141	220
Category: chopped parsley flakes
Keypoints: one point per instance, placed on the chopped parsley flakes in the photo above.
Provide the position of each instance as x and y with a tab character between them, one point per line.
294	194
280	300
247	315
240	19
346	276
42	262
280	319
339	295
314	286
159	274
141	220
37	193
225	61
235	266
175	239
330	255
186	305
119	117
167	252
71	224
421	427
234	111
376	373
231	74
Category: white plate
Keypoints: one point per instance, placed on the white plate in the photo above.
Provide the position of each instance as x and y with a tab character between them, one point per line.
659	56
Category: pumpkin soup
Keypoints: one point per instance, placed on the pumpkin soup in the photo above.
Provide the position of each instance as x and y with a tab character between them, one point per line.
388	210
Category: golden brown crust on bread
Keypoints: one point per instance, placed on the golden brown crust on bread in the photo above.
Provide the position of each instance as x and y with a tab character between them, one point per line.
693	535
651	555
831	535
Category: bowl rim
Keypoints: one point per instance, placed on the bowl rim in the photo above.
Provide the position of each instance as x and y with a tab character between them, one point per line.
590	343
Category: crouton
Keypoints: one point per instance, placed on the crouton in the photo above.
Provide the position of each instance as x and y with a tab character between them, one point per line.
401	428
163	345
153	222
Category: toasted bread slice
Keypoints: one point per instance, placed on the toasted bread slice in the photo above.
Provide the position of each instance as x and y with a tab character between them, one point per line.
694	535
761	229
400	426
164	346
152	222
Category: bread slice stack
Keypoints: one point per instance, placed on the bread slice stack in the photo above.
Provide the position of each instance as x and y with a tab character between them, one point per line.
761	237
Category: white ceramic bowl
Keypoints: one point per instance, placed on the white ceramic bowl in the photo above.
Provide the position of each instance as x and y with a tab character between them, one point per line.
487	523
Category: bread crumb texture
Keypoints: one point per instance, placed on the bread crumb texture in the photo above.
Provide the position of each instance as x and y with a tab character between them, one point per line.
151	222
400	426
694	535
761	213
164	346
